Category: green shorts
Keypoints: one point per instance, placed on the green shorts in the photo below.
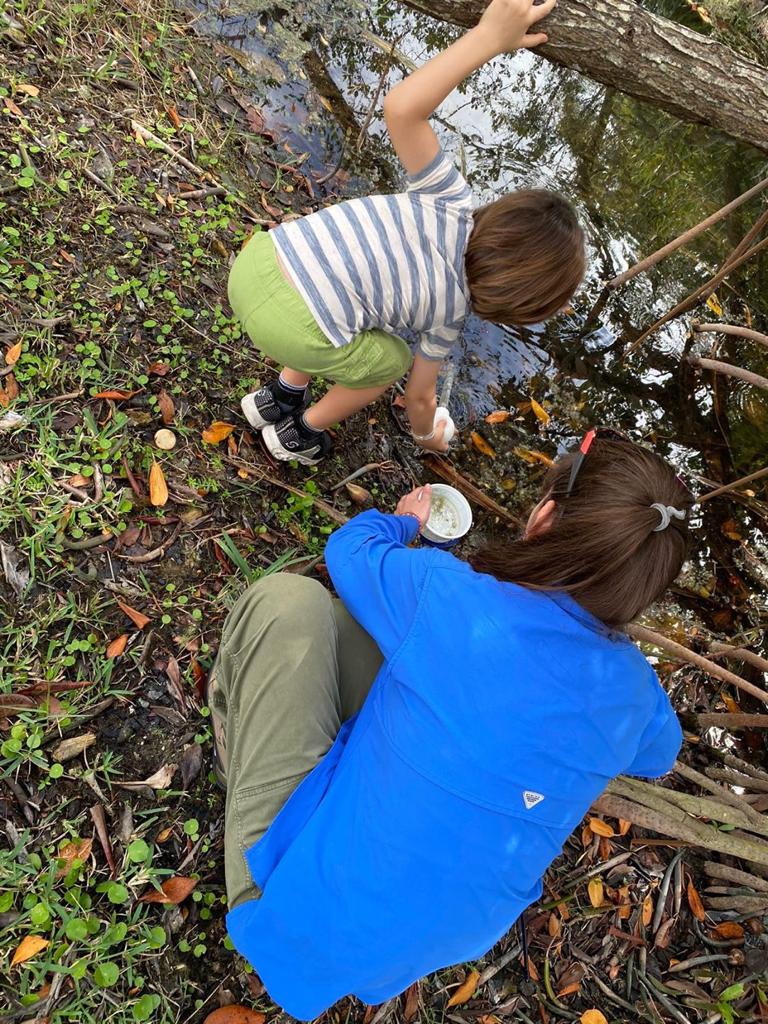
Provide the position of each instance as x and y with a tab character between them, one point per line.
281	326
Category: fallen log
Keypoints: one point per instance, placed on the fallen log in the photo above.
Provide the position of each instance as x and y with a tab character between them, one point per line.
625	46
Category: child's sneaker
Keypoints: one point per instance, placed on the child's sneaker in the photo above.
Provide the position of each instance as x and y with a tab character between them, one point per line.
271	404
293	439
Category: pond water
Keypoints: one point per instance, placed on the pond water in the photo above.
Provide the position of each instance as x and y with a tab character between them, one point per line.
638	177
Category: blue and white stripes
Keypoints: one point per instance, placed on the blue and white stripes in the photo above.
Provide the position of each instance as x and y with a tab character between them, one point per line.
392	262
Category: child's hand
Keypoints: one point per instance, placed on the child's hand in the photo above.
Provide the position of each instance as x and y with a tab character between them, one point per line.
508	21
436	443
418	503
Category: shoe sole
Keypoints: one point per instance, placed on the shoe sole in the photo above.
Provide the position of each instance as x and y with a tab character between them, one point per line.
252	414
277	451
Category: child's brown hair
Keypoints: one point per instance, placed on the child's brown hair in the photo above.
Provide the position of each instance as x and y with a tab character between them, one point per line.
525	257
603	547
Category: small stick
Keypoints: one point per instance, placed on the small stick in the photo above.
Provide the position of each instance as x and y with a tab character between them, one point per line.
102	184
741	653
650	636
706	289
59	398
747	240
318	503
661	901
732	720
687	236
327	177
734	329
158	552
367	468
724	488
725	794
729	370
729	874
200	193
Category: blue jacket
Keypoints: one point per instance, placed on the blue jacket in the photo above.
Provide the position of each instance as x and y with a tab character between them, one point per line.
497	718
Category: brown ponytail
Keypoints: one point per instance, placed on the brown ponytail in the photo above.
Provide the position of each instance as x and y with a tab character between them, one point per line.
601	548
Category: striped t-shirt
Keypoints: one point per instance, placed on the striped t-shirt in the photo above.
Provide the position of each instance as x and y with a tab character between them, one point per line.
393	262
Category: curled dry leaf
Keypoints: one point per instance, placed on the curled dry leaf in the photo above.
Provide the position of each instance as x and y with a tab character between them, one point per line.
499	416
217	432
482	445
600	827
166	406
73	746
158	488
29	946
592	1017
647	911
117	646
161	779
466	990
139	619
624	826
596	892
663	934
116	394
694	902
235	1013
540	412
359	495
174	890
159	369
729	930
28	89
13	353
77	849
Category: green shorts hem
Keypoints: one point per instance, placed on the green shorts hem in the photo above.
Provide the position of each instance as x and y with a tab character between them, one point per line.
281	325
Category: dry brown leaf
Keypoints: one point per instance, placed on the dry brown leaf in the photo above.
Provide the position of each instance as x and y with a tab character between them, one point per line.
12	108
115	394
482	445
499	416
11	387
540	412
729	529
411	1002
600	827
117	646
624	826
77	849
694	902
73	746
161	779
586	836
554	926
159	369
359	494
568	990
139	619
647	911
663	934
28	89
158	488
466	990
596	892
592	1017
234	1014
217	432
531	456
13	353
166	406
30	945
173	890
728	930
173	116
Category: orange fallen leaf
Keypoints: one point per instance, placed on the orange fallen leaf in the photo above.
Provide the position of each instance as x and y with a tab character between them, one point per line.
624	826
554	926
166	406
77	849
173	116
600	827
235	1013
12	108
159	369
164	836
117	646
596	892
29	946
466	990
586	836
482	445
592	1017
11	387
174	890
568	990
139	619
728	930
217	432
158	488
531	456
694	902
540	412
500	416
13	353
647	911
116	394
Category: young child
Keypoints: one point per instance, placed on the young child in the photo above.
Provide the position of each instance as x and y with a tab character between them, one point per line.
330	294
404	764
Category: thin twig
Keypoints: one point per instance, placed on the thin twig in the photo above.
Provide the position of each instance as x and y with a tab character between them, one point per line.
740	653
158	552
734	329
706	289
686	236
732	486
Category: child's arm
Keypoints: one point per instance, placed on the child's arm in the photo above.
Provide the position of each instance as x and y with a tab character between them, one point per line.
421	402
504	26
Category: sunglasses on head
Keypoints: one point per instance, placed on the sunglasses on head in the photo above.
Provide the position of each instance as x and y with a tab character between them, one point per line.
607	434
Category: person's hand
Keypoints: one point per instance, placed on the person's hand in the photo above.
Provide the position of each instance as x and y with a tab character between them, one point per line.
508	22
418	503
436	442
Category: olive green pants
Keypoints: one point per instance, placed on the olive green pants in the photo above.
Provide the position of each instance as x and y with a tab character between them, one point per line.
292	666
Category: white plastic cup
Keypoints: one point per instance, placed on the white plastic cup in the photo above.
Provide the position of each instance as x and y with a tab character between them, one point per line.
433	536
441	413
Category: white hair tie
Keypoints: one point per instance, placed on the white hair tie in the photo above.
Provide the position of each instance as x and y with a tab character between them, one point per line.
666	512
